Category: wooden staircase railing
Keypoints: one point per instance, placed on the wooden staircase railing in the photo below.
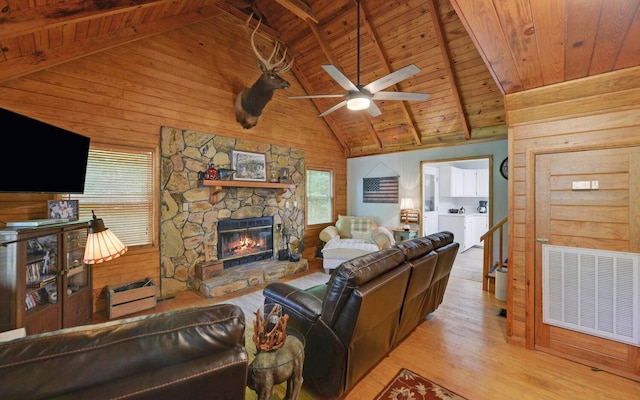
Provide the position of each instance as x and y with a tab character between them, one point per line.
488	280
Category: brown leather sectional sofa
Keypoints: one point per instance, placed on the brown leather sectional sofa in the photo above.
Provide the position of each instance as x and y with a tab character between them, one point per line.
368	306
192	354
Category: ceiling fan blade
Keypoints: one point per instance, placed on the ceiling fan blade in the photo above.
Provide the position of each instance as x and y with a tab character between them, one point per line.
392	78
317	96
373	110
408	96
332	109
340	77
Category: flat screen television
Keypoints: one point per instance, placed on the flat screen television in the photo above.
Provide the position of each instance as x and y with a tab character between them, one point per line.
41	158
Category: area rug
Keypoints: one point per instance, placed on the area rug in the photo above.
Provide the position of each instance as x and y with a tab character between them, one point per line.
409	385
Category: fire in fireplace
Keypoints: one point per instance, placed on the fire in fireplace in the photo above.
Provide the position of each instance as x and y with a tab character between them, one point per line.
245	240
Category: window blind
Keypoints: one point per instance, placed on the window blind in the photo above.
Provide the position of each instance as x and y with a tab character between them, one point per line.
119	188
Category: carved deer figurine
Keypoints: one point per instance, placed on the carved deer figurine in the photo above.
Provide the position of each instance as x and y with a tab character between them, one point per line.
250	101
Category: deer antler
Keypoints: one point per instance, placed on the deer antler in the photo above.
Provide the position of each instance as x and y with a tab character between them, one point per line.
268	65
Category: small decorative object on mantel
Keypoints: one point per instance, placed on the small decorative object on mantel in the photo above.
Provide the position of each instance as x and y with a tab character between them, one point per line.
270	327
284	175
212	172
274	177
225	174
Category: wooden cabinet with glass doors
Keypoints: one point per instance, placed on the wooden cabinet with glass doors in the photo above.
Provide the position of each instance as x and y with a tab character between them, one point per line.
44	285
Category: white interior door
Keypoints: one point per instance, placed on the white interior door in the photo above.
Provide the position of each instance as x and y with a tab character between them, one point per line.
430	198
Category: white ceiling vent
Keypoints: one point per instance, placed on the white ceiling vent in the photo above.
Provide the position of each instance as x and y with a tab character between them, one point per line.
592	291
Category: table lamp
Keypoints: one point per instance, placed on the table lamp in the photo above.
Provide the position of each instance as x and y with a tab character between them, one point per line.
406	205
102	244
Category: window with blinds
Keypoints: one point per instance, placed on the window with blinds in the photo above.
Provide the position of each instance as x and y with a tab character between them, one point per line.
319	197
119	188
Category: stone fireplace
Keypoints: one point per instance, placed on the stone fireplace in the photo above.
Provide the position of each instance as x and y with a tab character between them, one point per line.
192	215
244	240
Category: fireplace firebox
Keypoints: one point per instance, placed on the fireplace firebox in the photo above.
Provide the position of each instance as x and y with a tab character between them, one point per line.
245	240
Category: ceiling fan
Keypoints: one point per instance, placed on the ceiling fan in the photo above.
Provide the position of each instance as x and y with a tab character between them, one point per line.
359	97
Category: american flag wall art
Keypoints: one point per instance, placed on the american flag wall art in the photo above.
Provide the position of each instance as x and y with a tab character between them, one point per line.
380	190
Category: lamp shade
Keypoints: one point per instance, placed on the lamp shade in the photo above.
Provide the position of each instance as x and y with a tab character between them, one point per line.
102	244
406	203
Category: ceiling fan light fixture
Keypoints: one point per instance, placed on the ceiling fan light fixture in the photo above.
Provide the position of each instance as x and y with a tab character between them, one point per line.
358	103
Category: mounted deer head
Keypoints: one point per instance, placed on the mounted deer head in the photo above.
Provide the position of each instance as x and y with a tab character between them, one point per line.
250	102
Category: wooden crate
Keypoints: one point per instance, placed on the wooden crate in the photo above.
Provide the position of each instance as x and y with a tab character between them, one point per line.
129	301
208	270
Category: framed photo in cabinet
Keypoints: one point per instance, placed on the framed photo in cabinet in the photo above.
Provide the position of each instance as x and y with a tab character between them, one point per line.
63	209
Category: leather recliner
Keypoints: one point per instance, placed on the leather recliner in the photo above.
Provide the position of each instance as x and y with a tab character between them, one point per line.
367	307
447	250
351	322
422	258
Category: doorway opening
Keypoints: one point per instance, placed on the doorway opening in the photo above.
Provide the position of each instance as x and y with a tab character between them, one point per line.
456	196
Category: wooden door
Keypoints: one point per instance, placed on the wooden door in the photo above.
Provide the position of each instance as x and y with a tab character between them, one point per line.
606	218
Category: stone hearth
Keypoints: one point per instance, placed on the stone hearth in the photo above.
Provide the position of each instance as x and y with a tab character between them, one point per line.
248	275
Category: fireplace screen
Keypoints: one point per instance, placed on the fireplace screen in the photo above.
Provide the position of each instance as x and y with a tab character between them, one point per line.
241	241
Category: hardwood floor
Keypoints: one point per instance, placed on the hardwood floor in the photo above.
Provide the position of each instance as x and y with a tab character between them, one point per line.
462	346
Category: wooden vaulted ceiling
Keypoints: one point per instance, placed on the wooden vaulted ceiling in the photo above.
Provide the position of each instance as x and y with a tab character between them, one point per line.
470	52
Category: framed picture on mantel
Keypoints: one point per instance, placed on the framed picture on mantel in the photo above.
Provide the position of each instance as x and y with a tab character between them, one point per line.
248	166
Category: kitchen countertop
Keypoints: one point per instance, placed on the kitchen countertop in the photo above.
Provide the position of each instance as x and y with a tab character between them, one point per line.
461	215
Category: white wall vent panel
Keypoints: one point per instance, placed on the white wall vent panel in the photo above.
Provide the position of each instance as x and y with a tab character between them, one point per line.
592	291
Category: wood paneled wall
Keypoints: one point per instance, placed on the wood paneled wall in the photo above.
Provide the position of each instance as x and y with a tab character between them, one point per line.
600	112
186	78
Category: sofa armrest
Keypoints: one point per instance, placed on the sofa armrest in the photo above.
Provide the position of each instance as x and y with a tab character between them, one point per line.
328	233
382	237
302	303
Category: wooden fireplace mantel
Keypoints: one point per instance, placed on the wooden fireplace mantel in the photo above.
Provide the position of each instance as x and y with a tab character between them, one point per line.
216	186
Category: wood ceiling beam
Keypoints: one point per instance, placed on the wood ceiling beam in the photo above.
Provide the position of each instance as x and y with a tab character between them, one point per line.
322	42
446	56
21	22
405	110
328	118
299	8
326	50
28	64
366	119
265	30
444	49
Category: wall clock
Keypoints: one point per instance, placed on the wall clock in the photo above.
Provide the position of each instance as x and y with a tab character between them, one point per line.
504	168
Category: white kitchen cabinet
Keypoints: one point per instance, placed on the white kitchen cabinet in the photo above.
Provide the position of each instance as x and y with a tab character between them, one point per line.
451	182
456	225
466	228
482	183
470	182
479	225
457	182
